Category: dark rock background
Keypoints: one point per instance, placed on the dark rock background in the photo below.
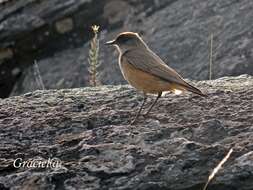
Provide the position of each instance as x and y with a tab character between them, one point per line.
56	34
88	129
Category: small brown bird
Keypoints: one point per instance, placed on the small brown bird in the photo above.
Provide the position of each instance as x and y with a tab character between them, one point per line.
145	71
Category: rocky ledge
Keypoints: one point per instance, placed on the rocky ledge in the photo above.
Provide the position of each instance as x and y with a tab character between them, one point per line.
88	131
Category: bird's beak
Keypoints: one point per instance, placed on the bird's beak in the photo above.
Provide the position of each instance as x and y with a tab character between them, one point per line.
110	42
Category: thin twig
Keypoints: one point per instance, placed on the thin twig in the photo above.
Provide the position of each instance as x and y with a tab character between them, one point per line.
217	168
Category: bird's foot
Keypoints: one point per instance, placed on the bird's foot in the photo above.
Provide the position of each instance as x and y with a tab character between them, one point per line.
145	115
133	122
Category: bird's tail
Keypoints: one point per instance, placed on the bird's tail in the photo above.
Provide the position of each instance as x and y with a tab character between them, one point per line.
193	89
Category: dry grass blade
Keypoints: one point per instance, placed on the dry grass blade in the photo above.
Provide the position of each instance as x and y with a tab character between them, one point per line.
217	168
211	57
37	75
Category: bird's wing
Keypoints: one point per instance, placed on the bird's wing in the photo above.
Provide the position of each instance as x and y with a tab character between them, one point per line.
148	61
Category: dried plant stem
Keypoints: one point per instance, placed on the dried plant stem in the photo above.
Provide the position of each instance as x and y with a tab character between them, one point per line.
211	57
37	75
93	57
217	168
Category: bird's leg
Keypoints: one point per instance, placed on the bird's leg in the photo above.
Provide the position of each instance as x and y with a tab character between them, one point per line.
152	105
139	111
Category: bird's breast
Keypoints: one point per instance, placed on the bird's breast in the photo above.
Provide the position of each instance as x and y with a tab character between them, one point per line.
141	80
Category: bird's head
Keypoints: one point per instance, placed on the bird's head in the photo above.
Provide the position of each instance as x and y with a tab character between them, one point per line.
127	41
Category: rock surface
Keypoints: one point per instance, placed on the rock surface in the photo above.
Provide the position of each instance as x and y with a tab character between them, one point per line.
56	33
88	129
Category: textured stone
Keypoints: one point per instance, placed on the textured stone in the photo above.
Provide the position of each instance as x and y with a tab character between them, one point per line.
88	129
64	26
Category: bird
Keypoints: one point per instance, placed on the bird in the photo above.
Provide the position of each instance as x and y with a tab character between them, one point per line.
146	71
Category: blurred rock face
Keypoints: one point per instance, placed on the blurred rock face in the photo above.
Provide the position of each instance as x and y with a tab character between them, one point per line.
56	34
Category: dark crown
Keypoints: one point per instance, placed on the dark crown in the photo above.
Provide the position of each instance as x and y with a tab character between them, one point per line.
126	36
